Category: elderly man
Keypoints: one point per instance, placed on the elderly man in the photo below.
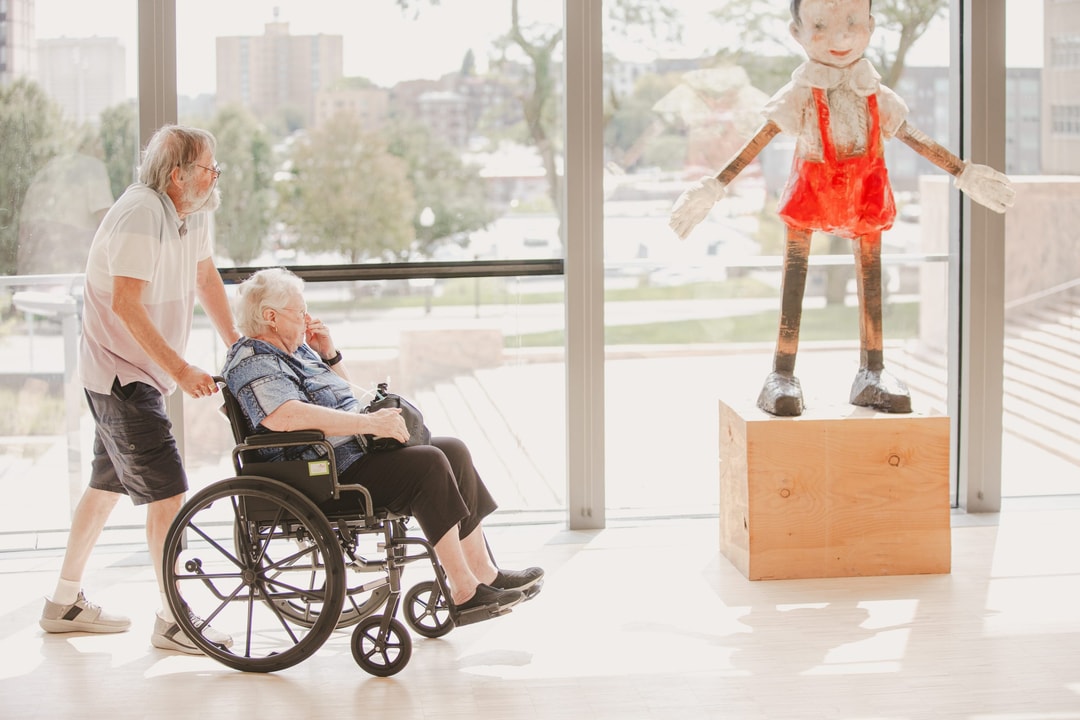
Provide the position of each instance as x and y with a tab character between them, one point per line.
149	260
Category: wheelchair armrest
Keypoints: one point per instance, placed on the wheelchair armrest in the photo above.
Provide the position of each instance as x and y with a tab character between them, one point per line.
293	437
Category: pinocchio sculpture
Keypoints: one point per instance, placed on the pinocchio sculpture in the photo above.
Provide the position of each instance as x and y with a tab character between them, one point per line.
840	115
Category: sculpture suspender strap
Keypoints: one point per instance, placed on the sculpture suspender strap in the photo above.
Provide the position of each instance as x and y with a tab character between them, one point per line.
850	197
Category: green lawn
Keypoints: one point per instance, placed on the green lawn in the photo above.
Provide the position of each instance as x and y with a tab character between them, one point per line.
830	323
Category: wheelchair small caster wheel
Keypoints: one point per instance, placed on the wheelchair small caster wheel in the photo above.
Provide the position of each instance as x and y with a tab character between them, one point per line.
427	611
379	656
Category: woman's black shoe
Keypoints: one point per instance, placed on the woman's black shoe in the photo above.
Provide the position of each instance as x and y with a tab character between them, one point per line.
518	579
486	595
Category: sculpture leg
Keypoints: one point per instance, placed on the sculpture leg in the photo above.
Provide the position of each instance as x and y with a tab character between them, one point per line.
782	394
874	386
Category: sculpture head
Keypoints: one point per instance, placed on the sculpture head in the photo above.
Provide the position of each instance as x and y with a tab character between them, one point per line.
832	32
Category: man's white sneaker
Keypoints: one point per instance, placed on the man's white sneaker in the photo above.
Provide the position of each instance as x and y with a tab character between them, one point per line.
170	636
80	616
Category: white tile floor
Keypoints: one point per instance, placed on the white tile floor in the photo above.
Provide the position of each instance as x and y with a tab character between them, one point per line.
636	621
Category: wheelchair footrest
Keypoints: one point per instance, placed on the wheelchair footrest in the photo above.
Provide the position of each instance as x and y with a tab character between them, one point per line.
475	615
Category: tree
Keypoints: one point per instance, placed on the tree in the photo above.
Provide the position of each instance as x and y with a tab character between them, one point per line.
32	132
632	125
348	194
539	44
246	157
453	191
119	135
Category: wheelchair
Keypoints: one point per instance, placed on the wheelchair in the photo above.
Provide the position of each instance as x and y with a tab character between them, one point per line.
255	557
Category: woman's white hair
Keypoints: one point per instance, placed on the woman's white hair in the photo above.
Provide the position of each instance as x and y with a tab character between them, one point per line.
269	288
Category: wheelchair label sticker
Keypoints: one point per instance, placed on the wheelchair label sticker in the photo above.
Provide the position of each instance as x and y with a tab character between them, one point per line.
318	467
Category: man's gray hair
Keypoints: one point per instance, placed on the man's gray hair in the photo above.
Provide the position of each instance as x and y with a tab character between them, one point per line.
170	147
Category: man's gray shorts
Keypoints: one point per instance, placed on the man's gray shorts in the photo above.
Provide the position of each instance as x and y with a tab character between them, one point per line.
134	449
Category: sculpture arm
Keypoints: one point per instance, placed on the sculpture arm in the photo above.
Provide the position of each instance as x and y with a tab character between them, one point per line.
981	183
696	201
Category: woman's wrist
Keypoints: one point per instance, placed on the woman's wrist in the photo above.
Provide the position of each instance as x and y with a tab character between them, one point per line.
333	359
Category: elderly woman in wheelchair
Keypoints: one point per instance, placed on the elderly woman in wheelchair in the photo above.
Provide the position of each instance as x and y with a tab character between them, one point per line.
297	408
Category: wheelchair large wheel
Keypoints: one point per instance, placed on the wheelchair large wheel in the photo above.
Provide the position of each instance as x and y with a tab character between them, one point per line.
237	553
427	610
358	602
379	656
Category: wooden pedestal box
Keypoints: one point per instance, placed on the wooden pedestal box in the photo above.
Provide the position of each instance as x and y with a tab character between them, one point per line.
837	492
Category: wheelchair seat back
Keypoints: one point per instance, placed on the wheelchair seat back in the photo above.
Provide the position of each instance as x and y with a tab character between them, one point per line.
311	477
315	479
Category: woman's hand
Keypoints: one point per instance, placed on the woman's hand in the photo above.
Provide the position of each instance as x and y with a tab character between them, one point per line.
317	336
386	423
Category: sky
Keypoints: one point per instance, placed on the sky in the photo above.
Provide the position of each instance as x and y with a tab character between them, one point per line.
437	38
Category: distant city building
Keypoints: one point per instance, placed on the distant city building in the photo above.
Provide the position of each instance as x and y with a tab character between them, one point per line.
278	74
16	40
1023	121
492	99
370	105
514	174
1061	87
405	95
83	75
446	115
621	77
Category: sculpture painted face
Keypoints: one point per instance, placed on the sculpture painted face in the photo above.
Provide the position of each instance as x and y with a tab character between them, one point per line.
834	32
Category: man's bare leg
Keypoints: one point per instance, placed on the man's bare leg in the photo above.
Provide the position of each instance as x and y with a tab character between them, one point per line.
159	517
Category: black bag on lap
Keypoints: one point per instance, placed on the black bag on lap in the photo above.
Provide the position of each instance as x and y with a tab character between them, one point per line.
414	422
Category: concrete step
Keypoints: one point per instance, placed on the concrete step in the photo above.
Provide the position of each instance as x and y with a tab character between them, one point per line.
463	408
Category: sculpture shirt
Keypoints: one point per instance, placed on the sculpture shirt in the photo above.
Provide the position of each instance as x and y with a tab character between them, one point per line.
839	182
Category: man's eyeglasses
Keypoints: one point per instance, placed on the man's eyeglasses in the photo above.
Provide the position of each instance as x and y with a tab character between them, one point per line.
216	170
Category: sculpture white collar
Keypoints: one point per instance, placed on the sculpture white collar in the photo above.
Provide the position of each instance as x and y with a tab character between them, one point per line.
860	76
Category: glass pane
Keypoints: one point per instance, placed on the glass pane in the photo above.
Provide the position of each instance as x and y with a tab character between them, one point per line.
341	141
695	321
361	133
68	144
1040	452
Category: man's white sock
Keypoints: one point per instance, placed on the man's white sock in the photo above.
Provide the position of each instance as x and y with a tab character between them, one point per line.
165	612
66	592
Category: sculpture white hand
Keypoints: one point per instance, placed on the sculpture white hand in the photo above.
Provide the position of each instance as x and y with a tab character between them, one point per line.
986	186
694	204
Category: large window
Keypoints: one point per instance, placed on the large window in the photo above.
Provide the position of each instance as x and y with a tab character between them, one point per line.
68	147
365	134
368	141
1040	453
